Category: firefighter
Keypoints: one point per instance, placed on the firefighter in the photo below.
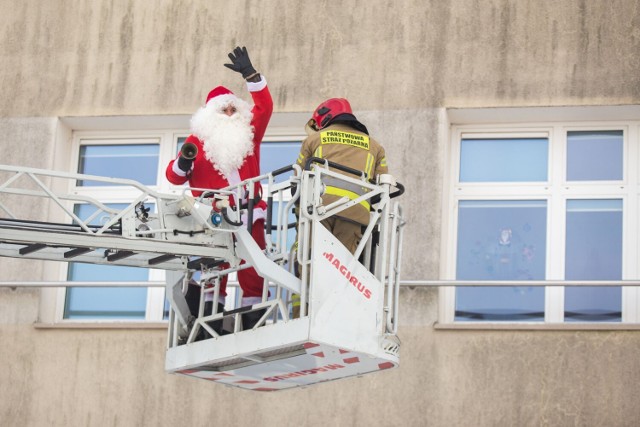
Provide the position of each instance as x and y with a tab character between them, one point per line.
335	134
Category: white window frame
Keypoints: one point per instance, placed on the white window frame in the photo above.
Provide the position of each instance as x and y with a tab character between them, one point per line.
166	141
556	192
150	129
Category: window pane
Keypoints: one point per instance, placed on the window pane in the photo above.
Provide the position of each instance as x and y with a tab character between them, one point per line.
104	303
181	140
135	161
594	156
275	155
165	311
502	160
594	252
501	240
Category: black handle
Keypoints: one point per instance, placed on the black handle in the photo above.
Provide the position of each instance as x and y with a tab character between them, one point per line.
282	170
226	218
399	192
269	214
207	194
255	201
250	215
290	225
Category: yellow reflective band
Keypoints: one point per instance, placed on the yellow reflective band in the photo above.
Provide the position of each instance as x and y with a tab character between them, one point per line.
345	138
318	152
383	162
369	167
295	299
300	158
341	192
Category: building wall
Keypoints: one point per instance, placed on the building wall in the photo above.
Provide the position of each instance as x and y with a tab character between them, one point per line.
77	57
401	64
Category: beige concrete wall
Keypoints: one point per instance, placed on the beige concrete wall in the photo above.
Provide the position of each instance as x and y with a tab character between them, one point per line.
447	378
399	62
78	57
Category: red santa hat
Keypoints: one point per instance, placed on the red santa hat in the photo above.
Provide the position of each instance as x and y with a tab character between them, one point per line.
220	90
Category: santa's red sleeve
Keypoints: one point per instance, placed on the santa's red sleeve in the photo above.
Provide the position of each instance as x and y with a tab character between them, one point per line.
262	109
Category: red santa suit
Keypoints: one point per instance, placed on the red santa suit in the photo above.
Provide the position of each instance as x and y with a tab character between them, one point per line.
214	168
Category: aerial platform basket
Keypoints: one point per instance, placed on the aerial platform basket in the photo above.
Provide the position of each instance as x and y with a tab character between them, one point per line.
343	334
348	302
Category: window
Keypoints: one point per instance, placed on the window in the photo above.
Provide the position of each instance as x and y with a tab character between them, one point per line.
594	155
593	252
501	240
503	159
141	156
543	202
131	160
124	156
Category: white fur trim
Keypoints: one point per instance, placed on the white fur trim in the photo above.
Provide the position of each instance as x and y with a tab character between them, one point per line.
177	170
257	86
250	301
209	297
258	213
222	101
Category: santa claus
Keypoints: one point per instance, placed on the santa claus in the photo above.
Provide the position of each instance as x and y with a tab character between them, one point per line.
227	132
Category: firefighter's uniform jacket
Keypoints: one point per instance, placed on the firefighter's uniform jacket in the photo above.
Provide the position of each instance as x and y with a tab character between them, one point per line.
340	143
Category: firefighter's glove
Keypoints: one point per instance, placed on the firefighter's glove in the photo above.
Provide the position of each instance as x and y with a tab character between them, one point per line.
241	63
185	164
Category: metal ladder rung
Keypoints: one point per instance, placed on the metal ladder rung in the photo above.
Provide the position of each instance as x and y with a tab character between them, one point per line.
161	259
76	252
119	255
31	248
196	264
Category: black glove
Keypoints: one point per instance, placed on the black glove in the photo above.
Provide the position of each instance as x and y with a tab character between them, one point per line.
184	164
241	62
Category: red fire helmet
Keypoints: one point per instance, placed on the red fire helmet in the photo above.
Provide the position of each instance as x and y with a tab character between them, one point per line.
327	111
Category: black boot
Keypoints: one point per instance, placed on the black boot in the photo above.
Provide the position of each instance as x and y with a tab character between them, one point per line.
250	319
193	298
216	325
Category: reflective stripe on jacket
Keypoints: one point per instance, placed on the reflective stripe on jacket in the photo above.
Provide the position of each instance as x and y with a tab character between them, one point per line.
342	144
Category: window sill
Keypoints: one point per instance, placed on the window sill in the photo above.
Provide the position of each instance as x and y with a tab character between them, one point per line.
102	325
487	326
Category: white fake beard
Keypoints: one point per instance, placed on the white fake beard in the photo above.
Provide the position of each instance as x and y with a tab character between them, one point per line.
227	140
